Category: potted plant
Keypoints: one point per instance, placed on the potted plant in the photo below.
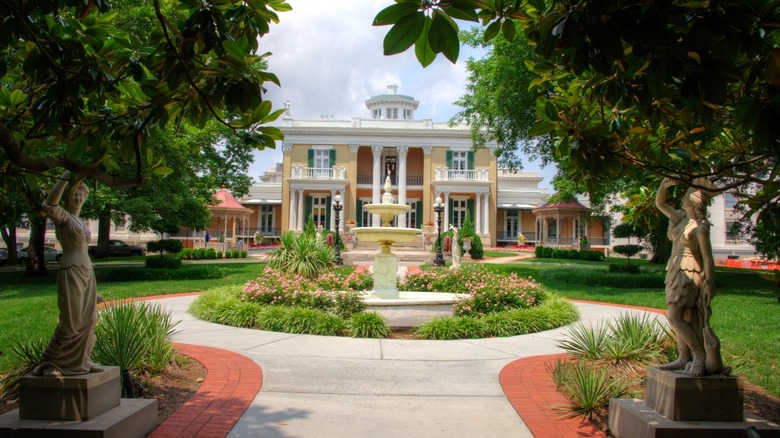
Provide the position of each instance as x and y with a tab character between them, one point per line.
520	239
428	227
350	224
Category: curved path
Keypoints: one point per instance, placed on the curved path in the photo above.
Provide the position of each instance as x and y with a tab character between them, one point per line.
342	387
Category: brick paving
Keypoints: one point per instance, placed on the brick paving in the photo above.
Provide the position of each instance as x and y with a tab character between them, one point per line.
232	382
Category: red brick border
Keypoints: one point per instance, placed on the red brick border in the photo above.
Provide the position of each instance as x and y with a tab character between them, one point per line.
530	390
231	384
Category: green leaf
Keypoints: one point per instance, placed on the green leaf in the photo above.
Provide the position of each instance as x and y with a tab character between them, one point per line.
392	14
492	31
461	14
542	128
234	50
77	147
404	33
422	48
441	33
162	170
509	29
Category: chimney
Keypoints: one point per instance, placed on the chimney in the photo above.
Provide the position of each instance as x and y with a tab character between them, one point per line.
392	89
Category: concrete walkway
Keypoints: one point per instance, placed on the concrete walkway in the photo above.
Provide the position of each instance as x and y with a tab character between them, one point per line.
316	386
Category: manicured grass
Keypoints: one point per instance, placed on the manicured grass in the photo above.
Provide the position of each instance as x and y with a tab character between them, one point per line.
745	311
495	254
29	305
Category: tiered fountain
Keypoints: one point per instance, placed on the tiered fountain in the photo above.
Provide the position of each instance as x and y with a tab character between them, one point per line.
402	309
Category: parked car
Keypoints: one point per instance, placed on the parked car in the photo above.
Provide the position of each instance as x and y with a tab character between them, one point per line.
117	248
49	255
3	256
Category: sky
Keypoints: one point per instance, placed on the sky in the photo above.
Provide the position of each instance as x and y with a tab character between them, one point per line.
329	60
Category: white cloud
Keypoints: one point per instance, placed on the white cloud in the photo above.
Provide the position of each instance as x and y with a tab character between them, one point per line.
329	60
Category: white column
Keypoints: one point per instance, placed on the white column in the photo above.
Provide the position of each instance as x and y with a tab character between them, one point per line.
377	182
519	221
446	221
293	209
301	203
435	195
478	214
486	214
403	152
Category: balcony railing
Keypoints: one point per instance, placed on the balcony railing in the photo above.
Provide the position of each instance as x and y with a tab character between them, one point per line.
336	172
447	174
506	236
410	180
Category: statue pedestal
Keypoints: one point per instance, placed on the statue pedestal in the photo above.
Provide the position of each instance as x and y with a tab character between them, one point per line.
679	405
87	405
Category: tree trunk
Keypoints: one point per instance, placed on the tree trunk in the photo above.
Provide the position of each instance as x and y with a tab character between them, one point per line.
9	237
104	234
36	267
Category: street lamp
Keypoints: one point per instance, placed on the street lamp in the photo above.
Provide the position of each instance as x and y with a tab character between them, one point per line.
337	207
438	207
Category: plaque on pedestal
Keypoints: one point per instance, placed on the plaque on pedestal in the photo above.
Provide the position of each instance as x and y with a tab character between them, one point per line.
685	398
75	398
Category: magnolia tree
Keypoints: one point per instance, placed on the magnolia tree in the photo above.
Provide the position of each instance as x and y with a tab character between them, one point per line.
672	89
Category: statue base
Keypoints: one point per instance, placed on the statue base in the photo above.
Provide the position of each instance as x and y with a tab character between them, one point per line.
87	405
678	405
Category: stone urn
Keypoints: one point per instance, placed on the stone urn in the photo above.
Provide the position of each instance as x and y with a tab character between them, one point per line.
467	248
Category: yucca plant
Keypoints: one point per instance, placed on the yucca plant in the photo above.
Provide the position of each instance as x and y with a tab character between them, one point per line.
585	341
591	387
26	355
633	338
302	254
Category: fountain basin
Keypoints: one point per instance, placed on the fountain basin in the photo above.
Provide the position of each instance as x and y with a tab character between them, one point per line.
412	309
386	234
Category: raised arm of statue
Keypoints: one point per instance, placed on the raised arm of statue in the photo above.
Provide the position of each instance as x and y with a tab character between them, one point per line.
660	198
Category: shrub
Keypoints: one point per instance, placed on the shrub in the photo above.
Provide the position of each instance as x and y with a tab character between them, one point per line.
547	252
243	254
185	254
623	269
228	254
447	244
134	336
219	255
598	277
539	252
224	305
368	325
200	254
236	253
558	253
591	255
302	255
211	254
627	250
26	356
163	262
589	387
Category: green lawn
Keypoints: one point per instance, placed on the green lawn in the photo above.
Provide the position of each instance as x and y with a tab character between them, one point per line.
745	312
29	305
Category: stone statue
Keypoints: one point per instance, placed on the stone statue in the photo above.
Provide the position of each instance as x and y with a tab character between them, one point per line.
455	248
690	281
72	341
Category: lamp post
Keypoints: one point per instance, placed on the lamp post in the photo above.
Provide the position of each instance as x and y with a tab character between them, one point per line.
337	207
438	207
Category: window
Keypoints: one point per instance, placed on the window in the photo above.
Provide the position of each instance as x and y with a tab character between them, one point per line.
733	232
266	218
731	200
367	218
377	114
458	212
319	207
411	215
459	165
579	229
392	113
407	114
552	230
322	163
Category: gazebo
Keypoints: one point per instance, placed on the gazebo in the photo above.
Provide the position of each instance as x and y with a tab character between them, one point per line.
229	214
562	223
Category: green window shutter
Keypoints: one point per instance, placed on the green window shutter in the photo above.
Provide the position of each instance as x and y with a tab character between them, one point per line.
448	220
359	218
470	208
470	159
311	157
327	213
332	157
306	212
449	159
419	210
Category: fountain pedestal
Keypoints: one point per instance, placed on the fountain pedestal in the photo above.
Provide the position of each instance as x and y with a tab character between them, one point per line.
385	269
